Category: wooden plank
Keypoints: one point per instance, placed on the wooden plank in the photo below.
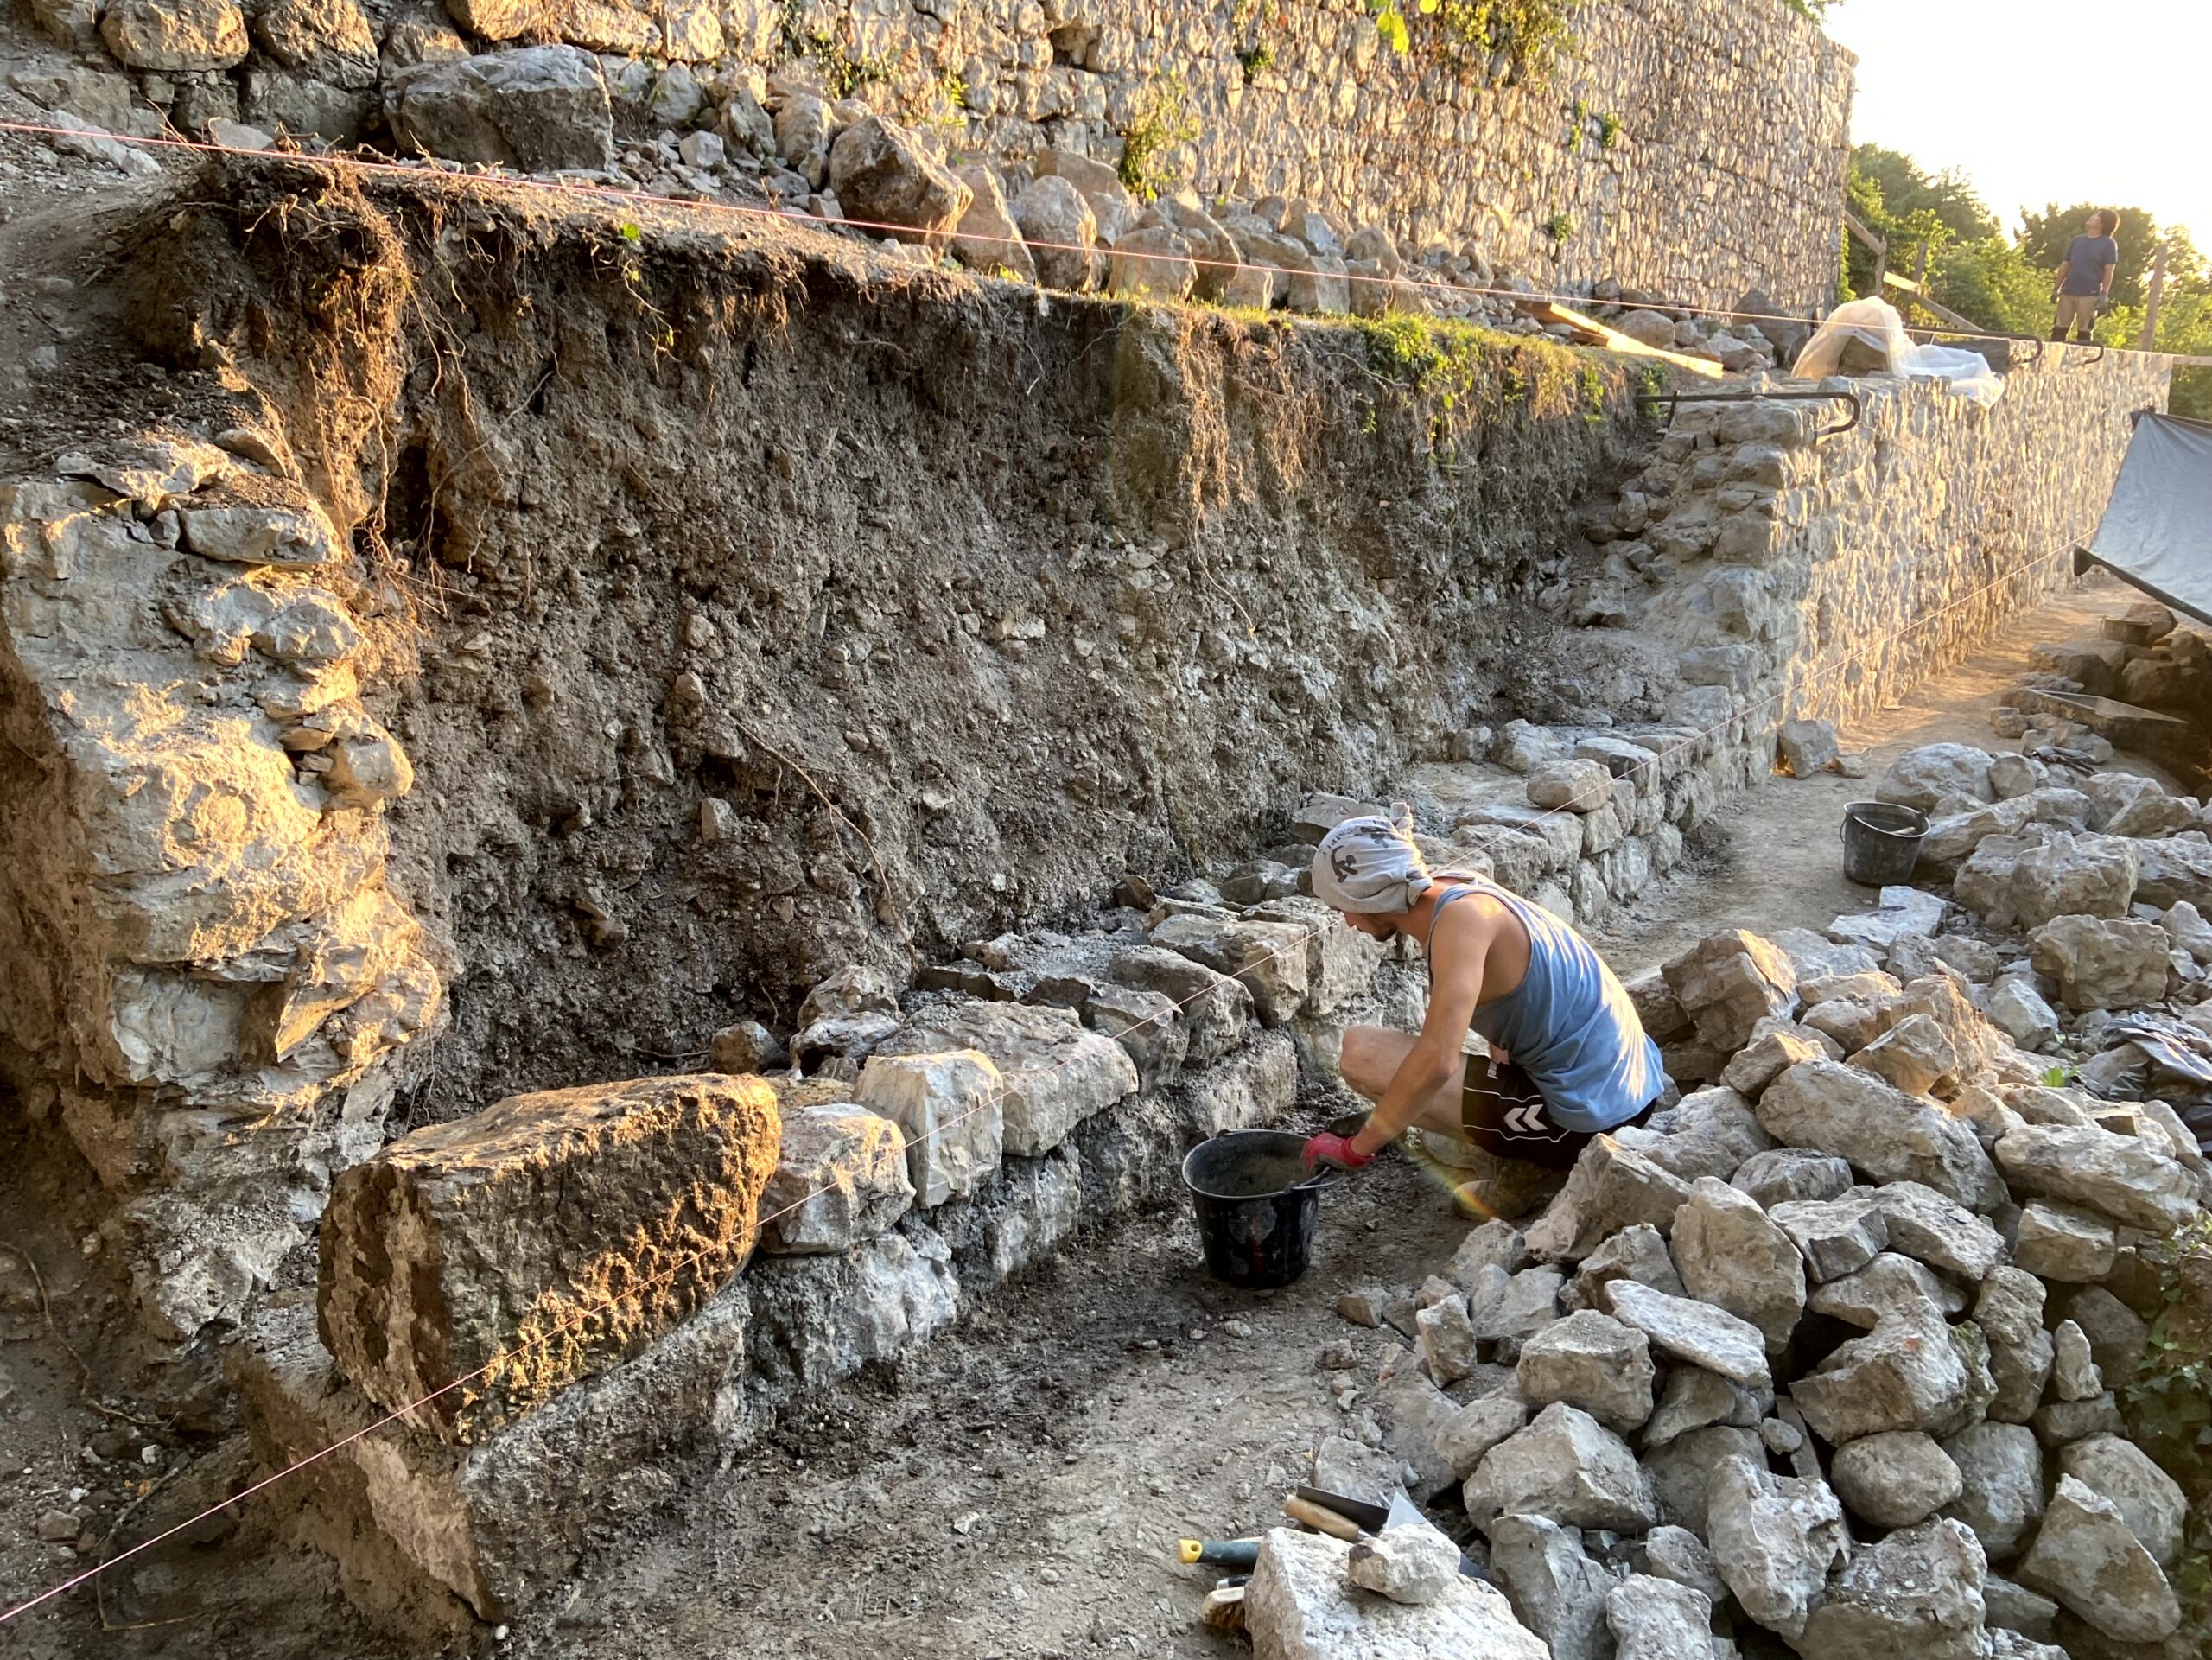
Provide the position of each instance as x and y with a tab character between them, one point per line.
1898	282
1613	341
1851	224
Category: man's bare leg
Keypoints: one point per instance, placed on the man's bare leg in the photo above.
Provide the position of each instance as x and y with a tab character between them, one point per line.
1372	1056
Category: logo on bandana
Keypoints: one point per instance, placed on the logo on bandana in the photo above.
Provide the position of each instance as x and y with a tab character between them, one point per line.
1345	863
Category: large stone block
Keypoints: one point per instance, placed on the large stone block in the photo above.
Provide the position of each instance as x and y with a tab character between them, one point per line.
444	1531
1053	1073
841	1178
493	1260
1728	982
2122	1177
540	109
1269	958
1886	1134
1299	1605
950	1110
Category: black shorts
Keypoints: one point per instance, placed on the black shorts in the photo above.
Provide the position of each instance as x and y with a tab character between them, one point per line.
1502	1113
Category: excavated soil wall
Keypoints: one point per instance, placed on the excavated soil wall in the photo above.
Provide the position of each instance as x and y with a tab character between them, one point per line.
670	614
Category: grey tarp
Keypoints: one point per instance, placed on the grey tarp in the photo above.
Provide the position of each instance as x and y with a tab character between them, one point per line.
2157	531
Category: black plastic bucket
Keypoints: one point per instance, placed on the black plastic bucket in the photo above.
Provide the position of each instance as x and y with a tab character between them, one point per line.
1881	841
1258	1205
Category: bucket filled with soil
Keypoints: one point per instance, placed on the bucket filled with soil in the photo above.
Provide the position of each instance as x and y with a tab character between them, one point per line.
1258	1205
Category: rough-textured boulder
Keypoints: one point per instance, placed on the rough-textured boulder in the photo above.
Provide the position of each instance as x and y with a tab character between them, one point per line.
1059	228
2086	1556
1728	982
1481	1424
1793	1174
1774	1540
1591	1361
1694	1332
540	109
1655	1619
1694	1398
2021	882
1413	1562
1905	1374
1557	1590
1895	1479
1610	1188
1890	1284
1916	1595
1835	1236
1637	1253
2149	1500
172	37
1053	1074
882	176
1152	263
1885	1133
1730	1254
2000	1472
1301	1606
1936	773
2121	1178
949	1108
1269	958
1916	1056
1921	1224
841	1178
1568	1467
539	1241
2102	964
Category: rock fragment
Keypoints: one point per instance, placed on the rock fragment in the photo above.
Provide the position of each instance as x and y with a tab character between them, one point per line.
1836	1236
1885	1133
1301	1606
1774	1540
1917	1593
2121	1177
1412	1562
1730	1254
2000	1475
2102	962
1905	1374
1556	1589
841	1178
1727	982
2149	1500
2087	1557
1655	1619
1793	1173
1568	1467
950	1110
1895	1479
1591	1361
1891	1285
1610	1188
1694	1332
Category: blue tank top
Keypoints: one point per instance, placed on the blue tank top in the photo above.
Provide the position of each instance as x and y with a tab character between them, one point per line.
1570	1025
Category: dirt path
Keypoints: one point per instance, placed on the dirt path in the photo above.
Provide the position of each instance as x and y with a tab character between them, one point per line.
1778	859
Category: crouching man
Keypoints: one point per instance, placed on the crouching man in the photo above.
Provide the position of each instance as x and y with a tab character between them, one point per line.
1569	1058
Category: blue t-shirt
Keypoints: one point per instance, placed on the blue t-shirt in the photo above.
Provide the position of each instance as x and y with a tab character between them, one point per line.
2086	259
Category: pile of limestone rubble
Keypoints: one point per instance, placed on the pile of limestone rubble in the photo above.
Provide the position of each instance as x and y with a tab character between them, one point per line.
1828	1352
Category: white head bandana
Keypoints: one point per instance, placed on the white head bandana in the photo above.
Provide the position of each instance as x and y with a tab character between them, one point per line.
1369	865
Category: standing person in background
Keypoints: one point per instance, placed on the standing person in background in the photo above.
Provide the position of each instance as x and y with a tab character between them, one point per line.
2085	276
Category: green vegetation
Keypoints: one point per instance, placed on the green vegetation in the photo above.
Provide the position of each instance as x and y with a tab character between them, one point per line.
2004	284
1558	228
2169	1403
1532	34
843	72
1454	368
1161	123
1256	60
1609	130
1815	10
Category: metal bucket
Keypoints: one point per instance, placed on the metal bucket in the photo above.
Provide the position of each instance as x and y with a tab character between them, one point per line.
1881	841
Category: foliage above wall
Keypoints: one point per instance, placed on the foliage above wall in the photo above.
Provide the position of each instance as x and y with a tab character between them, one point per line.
1532	34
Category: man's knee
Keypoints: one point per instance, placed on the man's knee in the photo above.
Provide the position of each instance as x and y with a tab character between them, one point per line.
1369	1058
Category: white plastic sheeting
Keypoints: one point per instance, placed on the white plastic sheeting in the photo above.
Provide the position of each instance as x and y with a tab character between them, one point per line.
1875	324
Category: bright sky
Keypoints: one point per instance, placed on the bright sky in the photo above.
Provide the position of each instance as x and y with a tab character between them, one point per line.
2038	102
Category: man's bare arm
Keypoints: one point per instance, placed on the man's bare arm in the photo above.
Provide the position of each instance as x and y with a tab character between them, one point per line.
1436	1056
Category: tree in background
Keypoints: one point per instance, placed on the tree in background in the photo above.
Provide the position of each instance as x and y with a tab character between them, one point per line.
2004	285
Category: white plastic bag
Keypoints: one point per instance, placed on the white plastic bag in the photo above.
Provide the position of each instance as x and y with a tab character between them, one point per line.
1875	326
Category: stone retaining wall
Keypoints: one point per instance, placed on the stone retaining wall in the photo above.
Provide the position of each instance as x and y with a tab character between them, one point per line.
1692	149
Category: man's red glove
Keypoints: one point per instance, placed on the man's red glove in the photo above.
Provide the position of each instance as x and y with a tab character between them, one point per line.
1327	1148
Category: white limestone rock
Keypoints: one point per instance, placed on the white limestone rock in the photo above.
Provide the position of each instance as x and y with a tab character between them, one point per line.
1732	1255
1694	1332
1885	1133
1591	1361
2149	1500
1895	1479
840	1177
2086	1556
1568	1467
1774	1540
1655	1619
1053	1073
1917	1593
2122	1178
1301	1605
1905	1374
2000	1475
950	1110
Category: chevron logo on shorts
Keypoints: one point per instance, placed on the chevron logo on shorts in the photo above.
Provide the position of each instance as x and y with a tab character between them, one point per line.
1529	1121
